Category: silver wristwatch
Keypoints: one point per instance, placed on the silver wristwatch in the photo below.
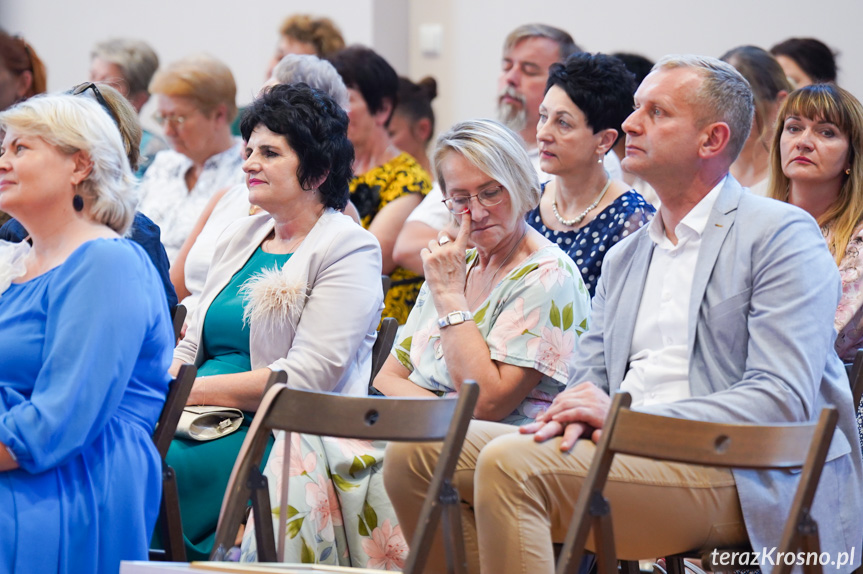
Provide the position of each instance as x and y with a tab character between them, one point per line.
454	318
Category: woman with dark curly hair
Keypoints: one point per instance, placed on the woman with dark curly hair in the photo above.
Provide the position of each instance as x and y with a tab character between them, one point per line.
276	291
583	209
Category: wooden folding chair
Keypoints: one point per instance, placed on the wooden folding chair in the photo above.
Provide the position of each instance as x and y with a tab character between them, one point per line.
855	377
386	283
370	418
382	347
170	525
178	317
709	444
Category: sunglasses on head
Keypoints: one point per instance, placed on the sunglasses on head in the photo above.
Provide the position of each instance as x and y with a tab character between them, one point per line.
81	88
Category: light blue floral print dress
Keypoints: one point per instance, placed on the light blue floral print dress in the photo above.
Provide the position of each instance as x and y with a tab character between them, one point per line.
532	318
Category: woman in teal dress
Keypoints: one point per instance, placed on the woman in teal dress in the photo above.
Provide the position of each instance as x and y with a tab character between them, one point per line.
295	288
85	344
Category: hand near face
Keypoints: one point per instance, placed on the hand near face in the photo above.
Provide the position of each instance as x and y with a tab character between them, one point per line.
444	263
574	413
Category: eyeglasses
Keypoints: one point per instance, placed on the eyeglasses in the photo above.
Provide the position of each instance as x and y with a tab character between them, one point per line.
81	88
460	204
174	120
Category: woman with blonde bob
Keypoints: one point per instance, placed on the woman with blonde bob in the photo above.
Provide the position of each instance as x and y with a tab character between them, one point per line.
816	165
86	342
507	314
196	99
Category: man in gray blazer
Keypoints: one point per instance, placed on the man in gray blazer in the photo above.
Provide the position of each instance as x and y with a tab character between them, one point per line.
720	310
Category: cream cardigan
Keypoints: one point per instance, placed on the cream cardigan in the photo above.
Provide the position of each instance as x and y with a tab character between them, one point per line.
324	342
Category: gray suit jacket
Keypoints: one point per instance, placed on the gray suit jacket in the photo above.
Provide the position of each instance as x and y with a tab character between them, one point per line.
760	350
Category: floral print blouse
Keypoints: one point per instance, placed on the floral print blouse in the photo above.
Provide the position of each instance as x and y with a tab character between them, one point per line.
849	313
370	192
532	318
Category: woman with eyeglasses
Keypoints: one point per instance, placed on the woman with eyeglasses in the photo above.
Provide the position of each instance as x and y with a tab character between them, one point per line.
85	345
507	314
196	99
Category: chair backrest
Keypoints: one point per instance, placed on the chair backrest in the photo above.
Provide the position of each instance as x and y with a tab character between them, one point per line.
178	317
386	283
370	418
383	345
855	377
178	394
780	446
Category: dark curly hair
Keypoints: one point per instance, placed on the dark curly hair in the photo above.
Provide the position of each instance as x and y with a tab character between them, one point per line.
316	128
364	70
600	85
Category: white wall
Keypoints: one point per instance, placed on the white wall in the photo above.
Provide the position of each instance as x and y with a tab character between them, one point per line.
474	31
243	34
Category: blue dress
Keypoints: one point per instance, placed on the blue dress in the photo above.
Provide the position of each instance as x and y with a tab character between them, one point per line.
588	245
84	354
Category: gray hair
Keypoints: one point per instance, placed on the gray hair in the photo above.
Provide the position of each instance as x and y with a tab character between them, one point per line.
724	95
80	124
525	31
136	59
498	152
311	70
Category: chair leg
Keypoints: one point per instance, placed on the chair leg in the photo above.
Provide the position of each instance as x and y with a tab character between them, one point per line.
807	530
456	561
603	534
629	567
264	535
675	565
172	525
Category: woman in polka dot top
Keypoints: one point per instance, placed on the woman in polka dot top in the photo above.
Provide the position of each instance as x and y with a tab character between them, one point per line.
582	209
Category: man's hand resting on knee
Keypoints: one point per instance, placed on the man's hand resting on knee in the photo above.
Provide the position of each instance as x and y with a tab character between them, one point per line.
574	413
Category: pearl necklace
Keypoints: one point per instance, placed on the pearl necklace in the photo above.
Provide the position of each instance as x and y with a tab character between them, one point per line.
580	217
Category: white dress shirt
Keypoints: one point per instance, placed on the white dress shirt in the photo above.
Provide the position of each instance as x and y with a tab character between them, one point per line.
658	360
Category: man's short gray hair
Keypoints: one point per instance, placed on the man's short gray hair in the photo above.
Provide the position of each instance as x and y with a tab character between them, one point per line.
525	31
136	59
316	73
724	96
499	153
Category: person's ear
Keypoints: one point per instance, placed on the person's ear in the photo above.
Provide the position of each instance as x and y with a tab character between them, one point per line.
714	140
83	166
23	83
383	115
606	139
423	130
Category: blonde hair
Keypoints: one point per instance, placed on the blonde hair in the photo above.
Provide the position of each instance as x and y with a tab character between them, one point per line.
830	103
126	118
73	124
498	152
203	79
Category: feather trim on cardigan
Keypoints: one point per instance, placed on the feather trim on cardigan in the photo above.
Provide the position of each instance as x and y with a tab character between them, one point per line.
271	299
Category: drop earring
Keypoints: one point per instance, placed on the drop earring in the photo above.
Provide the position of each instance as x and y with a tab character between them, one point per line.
77	201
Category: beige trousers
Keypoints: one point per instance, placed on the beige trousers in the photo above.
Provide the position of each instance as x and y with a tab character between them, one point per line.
518	498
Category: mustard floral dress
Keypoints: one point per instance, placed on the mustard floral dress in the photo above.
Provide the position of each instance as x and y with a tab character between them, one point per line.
370	192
